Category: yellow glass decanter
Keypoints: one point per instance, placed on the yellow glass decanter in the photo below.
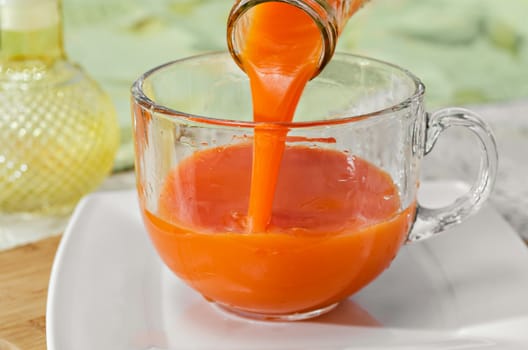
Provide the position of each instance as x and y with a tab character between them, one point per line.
58	129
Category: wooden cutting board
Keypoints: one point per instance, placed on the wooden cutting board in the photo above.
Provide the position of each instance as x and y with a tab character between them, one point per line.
24	277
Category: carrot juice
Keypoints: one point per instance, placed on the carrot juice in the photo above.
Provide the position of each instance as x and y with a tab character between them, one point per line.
269	227
281	54
336	224
282	50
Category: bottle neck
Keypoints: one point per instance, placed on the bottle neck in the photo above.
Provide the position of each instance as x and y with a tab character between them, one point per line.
30	30
322	13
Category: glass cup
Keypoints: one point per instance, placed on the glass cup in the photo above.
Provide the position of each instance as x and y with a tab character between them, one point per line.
346	196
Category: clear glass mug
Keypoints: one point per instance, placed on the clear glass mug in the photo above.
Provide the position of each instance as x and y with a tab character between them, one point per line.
193	132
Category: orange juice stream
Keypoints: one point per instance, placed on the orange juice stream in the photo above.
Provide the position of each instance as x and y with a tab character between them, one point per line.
281	53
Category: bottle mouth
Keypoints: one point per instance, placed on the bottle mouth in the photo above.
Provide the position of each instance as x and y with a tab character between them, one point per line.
321	13
25	15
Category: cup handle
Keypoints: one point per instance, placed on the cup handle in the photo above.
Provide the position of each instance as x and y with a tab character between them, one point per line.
430	221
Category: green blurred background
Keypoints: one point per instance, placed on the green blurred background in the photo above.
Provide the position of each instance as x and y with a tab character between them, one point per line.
466	51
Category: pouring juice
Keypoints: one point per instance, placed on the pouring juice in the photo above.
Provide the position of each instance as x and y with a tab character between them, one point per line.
275	228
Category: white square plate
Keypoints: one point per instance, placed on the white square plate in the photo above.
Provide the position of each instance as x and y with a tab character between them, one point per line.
464	289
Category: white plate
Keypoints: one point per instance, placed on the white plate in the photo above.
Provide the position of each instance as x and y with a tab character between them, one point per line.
464	289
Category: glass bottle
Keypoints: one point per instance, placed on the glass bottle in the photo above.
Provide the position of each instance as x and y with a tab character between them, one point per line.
330	16
58	130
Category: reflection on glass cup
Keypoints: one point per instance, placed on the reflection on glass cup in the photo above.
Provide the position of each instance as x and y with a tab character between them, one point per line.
346	196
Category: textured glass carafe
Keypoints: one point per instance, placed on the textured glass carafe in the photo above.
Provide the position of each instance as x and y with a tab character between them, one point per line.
58	130
330	16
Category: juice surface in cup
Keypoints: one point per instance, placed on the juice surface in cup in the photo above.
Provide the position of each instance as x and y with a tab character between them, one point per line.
336	224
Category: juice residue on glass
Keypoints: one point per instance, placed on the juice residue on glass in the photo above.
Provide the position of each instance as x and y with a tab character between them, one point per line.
336	225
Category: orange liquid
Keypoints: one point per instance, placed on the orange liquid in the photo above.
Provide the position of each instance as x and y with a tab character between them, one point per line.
336	224
280	56
282	50
274	229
